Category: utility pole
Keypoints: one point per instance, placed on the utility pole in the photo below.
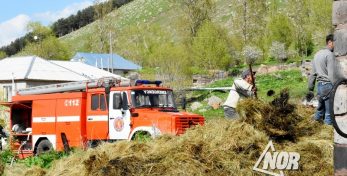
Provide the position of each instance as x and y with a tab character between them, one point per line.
111	54
37	39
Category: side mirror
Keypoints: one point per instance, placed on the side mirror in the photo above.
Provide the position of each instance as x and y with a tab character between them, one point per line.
125	101
107	90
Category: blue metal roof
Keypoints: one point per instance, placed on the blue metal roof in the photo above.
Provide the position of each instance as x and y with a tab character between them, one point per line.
103	61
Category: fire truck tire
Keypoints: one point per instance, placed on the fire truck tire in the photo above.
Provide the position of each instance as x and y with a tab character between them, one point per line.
44	147
332	113
93	143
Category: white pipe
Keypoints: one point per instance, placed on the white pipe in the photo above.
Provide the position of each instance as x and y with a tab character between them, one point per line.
70	86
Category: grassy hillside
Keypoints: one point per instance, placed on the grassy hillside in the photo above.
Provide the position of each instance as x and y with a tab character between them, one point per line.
159	34
140	18
122	21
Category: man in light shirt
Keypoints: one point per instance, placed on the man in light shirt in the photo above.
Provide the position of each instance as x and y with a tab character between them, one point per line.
241	88
324	73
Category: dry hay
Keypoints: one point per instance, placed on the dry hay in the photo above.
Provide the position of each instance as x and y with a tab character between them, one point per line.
22	169
2	167
294	130
278	119
35	171
220	147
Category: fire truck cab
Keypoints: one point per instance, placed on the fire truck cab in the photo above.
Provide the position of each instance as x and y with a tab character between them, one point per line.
62	115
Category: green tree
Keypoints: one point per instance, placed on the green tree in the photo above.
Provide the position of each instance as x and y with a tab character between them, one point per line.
210	47
45	44
172	65
39	30
280	29
299	12
139	42
320	17
196	12
2	54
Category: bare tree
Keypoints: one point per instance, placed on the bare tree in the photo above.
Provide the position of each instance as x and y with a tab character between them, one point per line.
102	29
248	19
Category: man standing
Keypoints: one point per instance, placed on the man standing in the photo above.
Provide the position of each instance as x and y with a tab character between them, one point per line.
323	66
242	87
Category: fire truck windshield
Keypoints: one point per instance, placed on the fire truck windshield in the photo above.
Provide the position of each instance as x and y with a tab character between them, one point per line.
153	98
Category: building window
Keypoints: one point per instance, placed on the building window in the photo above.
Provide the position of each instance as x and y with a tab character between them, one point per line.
7	90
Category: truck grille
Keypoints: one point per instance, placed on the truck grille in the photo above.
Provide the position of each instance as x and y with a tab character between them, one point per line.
182	123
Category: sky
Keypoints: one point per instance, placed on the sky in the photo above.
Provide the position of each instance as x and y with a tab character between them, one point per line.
16	14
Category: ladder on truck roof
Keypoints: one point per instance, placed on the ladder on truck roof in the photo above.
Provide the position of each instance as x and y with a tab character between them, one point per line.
73	86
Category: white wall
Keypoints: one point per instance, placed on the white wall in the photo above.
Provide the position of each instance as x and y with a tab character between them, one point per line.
5	95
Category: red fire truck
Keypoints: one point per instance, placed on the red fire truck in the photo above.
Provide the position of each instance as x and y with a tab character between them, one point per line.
80	114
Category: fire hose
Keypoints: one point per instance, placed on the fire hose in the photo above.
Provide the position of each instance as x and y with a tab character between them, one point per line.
20	149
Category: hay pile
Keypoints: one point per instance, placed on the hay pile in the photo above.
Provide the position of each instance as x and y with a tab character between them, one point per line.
221	147
2	167
278	119
294	130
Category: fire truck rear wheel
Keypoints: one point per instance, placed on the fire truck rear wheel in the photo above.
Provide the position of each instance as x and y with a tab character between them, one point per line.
44	147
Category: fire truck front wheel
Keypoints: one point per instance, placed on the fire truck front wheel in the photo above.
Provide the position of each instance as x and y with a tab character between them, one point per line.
44	147
142	136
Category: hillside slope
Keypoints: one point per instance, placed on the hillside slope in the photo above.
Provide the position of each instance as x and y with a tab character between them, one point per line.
128	16
139	22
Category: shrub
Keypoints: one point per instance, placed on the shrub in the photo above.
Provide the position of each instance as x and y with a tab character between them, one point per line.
6	156
278	51
44	160
251	54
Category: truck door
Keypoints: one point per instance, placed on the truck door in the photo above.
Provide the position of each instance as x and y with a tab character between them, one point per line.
119	119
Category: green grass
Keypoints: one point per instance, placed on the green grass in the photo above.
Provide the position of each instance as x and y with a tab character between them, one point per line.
290	79
142	137
6	156
228	82
210	113
44	160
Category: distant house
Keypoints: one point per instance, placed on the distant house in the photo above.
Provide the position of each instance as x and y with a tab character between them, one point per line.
30	71
118	64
